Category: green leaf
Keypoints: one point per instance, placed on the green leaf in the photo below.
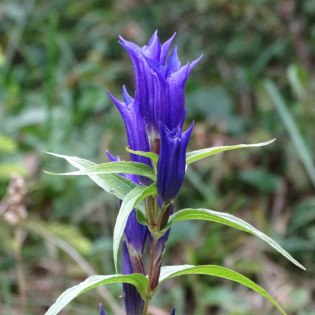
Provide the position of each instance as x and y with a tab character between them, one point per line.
141	217
129	203
230	220
113	168
197	155
111	183
138	280
217	271
151	155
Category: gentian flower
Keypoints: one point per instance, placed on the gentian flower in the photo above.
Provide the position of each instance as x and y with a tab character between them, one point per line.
153	119
132	299
160	83
172	162
135	237
135	126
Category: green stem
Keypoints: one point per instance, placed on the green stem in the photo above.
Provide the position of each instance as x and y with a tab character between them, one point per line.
146	306
155	258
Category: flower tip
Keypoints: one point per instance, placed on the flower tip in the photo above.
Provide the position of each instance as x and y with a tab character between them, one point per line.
102	311
111	157
109	93
195	62
153	37
186	134
121	39
115	100
192	125
127	98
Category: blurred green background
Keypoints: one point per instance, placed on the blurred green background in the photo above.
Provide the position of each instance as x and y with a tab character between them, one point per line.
256	82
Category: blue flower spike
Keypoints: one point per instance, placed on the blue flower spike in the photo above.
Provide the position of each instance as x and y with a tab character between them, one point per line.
154	120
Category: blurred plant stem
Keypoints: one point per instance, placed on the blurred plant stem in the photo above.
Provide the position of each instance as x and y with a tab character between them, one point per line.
18	239
52	67
289	123
16	35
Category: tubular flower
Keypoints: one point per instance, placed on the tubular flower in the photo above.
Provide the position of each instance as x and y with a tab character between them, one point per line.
134	124
132	262
132	299
160	83
172	162
136	234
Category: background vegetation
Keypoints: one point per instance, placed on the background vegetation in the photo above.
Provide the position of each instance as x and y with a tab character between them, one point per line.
256	82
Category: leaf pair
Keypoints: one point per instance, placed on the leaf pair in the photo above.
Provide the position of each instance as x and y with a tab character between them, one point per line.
141	283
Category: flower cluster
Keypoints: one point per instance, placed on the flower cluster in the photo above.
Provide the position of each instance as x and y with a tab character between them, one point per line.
154	120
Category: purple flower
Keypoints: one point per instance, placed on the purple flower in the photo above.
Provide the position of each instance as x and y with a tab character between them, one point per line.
135	126
173	311
132	299
136	234
172	162
102	311
160	83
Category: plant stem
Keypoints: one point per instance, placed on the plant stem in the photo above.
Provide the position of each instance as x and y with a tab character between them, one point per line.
155	257
146	306
152	276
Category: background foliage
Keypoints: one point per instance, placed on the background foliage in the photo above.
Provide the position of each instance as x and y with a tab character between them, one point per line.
255	82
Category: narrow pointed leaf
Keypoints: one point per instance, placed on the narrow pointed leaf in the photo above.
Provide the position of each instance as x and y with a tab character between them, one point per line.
129	203
138	280
111	183
113	168
303	151
217	271
230	220
197	155
151	155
